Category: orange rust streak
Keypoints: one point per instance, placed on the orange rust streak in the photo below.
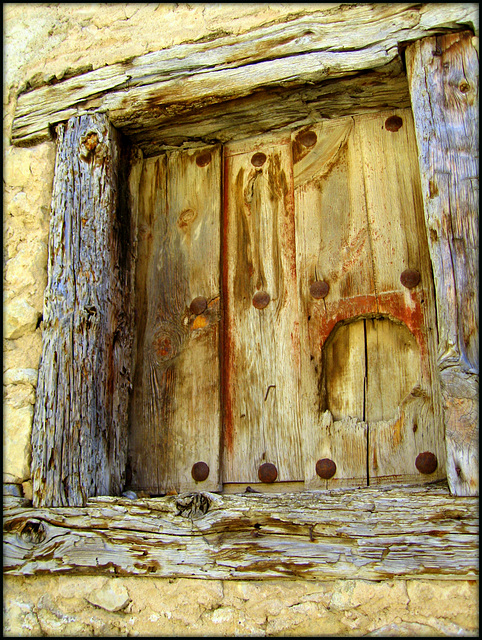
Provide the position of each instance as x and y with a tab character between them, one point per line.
199	322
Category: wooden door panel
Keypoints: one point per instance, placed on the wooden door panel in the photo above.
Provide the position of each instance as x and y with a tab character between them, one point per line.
333	246
359	226
261	343
176	407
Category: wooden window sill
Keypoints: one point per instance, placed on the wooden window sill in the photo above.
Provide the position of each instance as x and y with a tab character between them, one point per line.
404	532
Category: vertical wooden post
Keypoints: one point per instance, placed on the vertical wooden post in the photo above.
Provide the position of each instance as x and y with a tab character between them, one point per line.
443	79
79	436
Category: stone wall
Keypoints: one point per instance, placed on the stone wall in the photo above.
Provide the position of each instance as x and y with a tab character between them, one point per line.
45	41
93	606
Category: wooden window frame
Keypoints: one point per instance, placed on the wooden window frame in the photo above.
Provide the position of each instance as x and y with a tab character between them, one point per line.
302	535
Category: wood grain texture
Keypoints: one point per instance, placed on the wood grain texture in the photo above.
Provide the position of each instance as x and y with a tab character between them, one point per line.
79	433
368	534
261	345
397	234
313	46
368	345
175	418
444	82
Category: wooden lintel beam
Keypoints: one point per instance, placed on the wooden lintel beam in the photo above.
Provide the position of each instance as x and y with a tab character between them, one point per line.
310	48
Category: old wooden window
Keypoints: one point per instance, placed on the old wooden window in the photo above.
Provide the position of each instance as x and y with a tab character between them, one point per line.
285	314
285	311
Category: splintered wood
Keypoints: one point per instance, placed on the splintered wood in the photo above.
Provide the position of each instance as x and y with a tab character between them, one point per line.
285	335
79	437
443	75
416	533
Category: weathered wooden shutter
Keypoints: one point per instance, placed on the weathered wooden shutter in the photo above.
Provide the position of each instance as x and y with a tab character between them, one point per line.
444	86
262	344
79	434
327	370
175	418
371	396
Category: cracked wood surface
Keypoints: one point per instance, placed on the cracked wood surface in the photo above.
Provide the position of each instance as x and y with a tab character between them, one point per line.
142	94
79	434
372	533
443	76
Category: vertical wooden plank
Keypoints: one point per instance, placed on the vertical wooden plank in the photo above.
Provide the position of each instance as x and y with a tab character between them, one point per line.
398	243
261	345
333	245
176	417
80	424
444	88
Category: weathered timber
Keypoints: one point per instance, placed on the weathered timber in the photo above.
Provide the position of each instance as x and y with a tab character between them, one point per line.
370	534
444	88
79	433
369	389
142	93
261	341
175	416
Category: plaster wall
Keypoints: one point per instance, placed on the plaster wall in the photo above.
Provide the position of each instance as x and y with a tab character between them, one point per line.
42	41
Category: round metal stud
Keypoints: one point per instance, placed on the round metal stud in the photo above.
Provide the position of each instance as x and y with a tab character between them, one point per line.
267	472
319	289
325	468
198	305
393	123
203	159
200	471
308	138
258	159
261	299
410	278
426	462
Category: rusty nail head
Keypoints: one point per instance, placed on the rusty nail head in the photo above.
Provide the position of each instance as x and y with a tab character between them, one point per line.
200	471
261	299
258	159
267	472
203	159
325	468
308	139
319	289
393	123
410	278
198	305
426	462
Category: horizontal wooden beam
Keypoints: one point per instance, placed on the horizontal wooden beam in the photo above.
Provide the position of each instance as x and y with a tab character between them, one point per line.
312	47
370	534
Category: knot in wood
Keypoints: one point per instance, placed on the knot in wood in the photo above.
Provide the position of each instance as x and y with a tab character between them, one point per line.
33	532
166	342
193	505
88	145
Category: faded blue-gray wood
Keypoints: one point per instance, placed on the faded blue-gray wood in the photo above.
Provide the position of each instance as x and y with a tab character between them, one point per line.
443	75
79	436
